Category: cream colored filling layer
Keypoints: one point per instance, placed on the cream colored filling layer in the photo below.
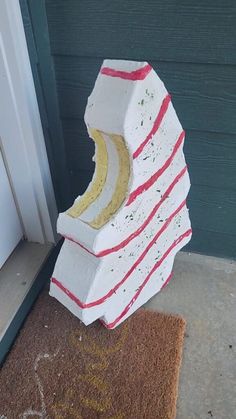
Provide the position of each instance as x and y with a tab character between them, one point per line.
120	187
108	189
96	186
90	203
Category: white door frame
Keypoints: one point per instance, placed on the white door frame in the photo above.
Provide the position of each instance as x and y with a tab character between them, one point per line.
22	143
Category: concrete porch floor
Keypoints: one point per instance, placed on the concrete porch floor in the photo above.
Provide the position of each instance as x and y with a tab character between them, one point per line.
203	291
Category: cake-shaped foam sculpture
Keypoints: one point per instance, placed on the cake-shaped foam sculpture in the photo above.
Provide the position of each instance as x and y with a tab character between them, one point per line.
122	234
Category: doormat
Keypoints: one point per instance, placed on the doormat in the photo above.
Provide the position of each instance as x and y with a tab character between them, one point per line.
59	368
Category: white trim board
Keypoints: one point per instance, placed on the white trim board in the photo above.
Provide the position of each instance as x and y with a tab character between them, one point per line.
17	277
22	140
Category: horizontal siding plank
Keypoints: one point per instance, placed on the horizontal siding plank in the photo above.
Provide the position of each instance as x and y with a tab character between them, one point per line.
211	159
212	209
213	244
204	96
174	30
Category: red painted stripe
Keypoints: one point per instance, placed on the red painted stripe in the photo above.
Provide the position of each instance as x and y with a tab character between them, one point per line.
156	125
127	308
134	299
69	293
130	271
146	185
140	229
81	245
124	243
139	74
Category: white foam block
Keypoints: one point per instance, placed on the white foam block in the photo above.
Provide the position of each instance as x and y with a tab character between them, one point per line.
109	271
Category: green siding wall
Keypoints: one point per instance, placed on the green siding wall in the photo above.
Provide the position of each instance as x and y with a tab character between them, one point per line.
192	46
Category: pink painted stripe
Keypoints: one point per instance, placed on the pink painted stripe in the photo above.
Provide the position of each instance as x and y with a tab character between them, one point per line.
81	245
156	125
146	185
130	271
68	292
124	243
139	74
127	308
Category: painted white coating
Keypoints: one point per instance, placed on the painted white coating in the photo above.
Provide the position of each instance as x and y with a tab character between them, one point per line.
128	108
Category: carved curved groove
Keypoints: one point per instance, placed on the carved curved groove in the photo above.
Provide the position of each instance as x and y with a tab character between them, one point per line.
97	186
121	185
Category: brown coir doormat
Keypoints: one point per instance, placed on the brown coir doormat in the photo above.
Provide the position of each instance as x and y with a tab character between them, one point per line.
58	368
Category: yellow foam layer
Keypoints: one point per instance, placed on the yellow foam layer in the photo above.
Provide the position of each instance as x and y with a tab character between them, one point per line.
96	186
121	186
